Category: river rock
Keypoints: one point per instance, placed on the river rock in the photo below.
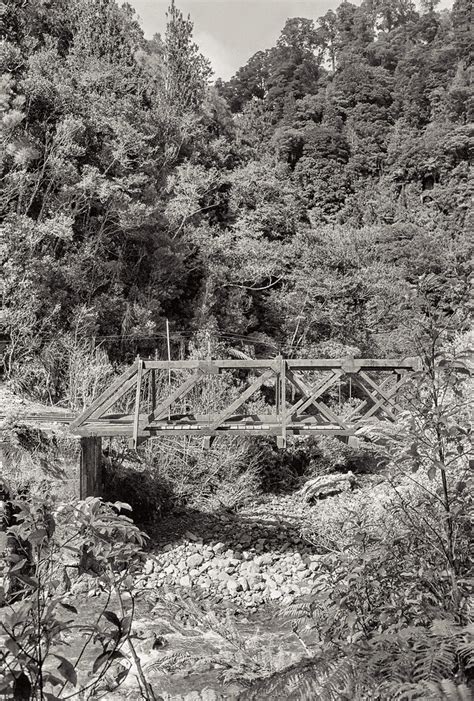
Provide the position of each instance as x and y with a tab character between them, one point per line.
149	566
233	586
194	561
243	583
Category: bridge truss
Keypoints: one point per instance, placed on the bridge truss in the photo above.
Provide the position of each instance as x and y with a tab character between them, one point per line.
274	397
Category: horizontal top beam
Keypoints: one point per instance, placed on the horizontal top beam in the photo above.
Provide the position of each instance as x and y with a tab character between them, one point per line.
204	365
357	363
301	364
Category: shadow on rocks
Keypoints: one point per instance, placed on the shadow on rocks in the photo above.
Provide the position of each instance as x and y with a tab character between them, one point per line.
263	532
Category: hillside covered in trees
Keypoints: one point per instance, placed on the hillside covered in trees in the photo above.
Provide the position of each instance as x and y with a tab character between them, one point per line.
301	206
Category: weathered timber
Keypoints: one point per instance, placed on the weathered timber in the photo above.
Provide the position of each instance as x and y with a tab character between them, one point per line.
183	389
281	440
310	395
313	413
240	400
136	417
108	397
91	467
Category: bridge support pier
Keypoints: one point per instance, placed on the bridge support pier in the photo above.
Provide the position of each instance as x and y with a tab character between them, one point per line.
91	467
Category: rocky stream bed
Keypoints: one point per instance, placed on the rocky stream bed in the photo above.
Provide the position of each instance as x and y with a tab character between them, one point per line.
212	597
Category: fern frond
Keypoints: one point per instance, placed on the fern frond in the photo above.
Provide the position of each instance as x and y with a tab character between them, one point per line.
444	690
465	652
449	691
322	679
435	659
168	661
331	686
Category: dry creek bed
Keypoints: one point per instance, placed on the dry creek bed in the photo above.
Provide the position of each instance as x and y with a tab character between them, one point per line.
211	596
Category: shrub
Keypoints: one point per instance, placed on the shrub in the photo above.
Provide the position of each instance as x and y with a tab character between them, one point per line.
45	545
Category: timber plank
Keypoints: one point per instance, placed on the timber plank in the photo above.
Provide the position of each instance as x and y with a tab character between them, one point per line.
389	397
379	404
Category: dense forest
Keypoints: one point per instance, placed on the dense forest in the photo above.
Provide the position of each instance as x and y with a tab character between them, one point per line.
307	205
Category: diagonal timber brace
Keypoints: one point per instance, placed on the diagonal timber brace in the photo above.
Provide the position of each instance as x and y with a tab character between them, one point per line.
224	415
108	398
383	403
311	396
162	410
309	393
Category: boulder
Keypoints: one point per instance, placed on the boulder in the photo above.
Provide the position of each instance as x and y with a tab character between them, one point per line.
328	485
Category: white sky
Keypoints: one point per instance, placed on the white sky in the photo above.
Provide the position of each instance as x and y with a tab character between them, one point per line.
229	32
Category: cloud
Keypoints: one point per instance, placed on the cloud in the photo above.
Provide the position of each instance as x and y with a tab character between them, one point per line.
221	59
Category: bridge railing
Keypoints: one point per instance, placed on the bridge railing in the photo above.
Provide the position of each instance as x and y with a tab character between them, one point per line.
300	402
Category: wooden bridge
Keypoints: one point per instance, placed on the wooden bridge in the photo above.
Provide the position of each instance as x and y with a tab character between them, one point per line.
156	398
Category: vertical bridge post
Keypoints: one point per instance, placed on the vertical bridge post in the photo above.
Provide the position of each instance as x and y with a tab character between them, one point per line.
136	417
281	382
91	467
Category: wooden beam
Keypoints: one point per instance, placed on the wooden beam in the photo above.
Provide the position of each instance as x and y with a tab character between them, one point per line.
136	417
153	390
293	363
379	389
281	441
362	363
377	404
161	411
219	364
326	411
241	399
313	398
361	407
90	468
309	399
115	391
